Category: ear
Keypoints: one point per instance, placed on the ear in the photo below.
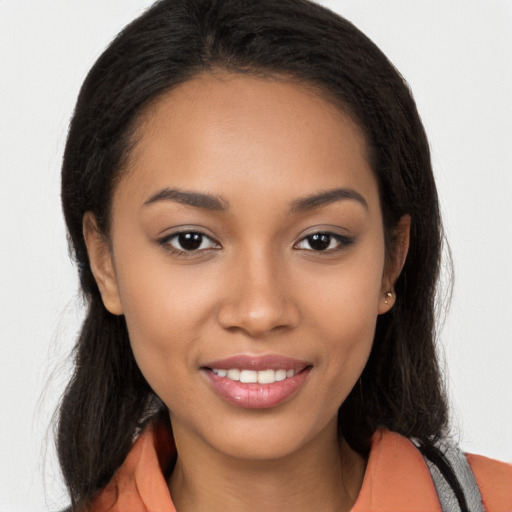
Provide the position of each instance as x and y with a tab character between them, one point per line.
394	264
102	266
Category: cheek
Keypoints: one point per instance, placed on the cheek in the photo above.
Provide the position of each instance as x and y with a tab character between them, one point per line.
347	339
347	297
348	332
159	298
344	308
164	310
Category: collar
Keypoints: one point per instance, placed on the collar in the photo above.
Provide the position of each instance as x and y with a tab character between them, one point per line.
396	477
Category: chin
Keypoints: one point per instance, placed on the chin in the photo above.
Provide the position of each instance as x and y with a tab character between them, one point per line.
261	446
269	437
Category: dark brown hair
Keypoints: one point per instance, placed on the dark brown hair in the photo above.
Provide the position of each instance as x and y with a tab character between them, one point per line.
400	388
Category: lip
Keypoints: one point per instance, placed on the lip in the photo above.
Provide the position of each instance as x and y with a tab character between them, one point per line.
255	395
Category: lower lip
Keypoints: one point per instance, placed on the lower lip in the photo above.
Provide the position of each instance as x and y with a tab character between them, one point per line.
257	396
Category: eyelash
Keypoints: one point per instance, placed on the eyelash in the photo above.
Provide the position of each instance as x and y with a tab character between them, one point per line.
166	242
342	242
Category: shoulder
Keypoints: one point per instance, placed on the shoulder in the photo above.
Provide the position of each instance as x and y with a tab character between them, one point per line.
494	480
398	478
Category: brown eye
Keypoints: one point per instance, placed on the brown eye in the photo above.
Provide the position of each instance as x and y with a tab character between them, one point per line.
189	241
324	242
319	241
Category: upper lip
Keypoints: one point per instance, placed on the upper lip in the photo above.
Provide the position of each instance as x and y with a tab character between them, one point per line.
258	363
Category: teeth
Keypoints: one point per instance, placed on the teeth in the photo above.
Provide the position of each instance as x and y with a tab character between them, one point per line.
252	376
280	375
233	374
248	376
266	376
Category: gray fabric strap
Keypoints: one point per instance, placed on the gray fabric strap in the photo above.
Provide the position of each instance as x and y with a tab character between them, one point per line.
462	471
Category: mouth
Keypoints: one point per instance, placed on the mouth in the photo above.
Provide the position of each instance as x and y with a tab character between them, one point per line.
252	376
257	382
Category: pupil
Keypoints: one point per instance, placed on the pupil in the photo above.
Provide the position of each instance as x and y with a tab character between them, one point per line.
190	241
319	242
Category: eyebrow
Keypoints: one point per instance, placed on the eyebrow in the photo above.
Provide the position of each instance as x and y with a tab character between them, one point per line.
325	198
196	199
216	203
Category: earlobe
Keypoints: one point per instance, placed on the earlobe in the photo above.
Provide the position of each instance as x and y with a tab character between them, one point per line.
386	301
102	266
395	264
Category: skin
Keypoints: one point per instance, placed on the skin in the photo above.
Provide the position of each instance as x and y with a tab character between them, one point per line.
255	286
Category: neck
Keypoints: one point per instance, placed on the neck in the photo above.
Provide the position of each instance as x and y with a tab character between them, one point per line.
326	475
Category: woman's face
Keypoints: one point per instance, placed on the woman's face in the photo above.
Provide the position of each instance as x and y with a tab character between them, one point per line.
247	255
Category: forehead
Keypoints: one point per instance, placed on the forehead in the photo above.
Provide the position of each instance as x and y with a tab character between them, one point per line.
223	133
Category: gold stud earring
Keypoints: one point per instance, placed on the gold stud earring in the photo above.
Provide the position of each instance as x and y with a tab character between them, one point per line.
388	296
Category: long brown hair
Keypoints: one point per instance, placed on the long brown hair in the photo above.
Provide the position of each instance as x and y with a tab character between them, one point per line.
400	388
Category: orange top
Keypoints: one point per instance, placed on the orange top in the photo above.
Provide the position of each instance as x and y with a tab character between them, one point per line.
396	479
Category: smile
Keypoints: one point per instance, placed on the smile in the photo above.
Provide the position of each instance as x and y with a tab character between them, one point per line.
257	382
251	376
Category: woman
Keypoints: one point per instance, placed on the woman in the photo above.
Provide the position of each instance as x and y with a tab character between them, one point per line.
249	196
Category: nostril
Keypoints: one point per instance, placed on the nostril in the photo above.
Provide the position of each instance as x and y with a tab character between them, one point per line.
259	317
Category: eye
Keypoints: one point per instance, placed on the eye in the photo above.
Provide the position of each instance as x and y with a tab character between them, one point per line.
323	242
189	241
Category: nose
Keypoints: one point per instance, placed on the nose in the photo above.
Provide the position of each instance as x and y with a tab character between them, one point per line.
259	298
